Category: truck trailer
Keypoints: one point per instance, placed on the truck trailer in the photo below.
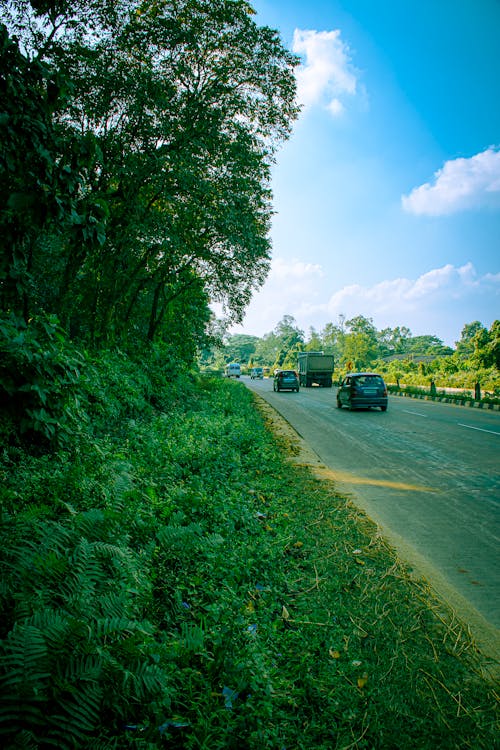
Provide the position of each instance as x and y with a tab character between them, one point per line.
315	367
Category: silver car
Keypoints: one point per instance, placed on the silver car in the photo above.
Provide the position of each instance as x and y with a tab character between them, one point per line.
257	373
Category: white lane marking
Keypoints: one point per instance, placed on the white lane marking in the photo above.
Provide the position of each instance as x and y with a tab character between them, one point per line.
480	429
417	413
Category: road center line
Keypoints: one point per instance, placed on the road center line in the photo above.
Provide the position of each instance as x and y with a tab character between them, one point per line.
417	413
480	429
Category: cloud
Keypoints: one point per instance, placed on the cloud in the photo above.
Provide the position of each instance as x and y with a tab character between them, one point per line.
327	73
289	281
293	270
460	185
438	302
403	295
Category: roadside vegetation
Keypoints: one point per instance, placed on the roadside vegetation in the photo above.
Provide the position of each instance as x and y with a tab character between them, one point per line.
171	579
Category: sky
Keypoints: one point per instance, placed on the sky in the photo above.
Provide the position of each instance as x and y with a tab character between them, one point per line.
387	194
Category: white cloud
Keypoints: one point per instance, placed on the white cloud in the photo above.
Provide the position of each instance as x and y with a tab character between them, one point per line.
327	73
401	296
461	184
295	269
439	302
288	283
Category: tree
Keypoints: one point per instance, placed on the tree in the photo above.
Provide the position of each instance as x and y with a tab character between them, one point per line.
430	345
466	345
240	348
178	108
333	337
394	340
314	342
487	346
494	344
290	340
37	186
360	345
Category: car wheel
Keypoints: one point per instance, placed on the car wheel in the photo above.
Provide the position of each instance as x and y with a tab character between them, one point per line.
339	405
383	408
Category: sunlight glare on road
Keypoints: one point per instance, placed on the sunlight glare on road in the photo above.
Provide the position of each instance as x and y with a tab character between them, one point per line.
353	479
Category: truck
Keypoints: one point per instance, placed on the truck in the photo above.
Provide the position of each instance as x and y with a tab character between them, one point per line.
315	367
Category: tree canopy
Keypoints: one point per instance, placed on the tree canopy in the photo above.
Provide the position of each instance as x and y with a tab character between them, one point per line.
155	125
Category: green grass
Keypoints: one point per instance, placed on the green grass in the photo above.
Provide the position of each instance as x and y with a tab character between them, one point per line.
174	581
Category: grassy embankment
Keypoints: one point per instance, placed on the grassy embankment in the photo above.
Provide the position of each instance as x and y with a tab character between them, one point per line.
172	580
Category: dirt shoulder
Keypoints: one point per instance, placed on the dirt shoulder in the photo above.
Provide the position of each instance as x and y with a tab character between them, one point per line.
299	452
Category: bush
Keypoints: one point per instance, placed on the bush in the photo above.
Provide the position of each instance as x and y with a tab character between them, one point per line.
38	370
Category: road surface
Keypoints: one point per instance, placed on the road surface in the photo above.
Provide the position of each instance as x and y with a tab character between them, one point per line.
427	472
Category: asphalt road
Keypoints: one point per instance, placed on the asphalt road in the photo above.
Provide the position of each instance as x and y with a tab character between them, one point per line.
428	473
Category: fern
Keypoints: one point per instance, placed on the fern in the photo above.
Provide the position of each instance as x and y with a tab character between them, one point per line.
123	479
80	713
58	629
25	740
23	678
115	604
104	628
77	669
146	680
77	700
192	637
90	524
179	541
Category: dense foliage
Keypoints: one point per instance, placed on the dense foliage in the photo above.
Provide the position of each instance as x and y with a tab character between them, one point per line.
137	141
169	580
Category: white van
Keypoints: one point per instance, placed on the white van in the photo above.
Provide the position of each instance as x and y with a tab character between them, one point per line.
233	370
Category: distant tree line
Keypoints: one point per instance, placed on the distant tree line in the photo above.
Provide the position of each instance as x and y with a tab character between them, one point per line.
357	345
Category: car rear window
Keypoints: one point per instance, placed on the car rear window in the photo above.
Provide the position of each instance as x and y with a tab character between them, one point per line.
369	380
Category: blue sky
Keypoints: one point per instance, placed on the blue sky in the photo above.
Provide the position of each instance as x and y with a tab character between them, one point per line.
387	195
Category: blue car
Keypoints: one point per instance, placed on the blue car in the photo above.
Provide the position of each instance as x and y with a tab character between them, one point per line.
286	380
362	390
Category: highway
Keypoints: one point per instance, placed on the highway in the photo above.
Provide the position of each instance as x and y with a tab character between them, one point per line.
427	473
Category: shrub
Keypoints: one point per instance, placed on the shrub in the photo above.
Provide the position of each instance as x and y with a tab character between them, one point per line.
38	370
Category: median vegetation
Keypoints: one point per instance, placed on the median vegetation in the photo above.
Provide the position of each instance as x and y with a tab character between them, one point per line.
172	579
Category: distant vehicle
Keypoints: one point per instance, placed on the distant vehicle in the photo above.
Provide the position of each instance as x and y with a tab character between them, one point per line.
315	367
257	373
233	370
286	380
362	390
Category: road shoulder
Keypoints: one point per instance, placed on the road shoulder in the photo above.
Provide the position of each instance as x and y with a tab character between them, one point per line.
485	635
